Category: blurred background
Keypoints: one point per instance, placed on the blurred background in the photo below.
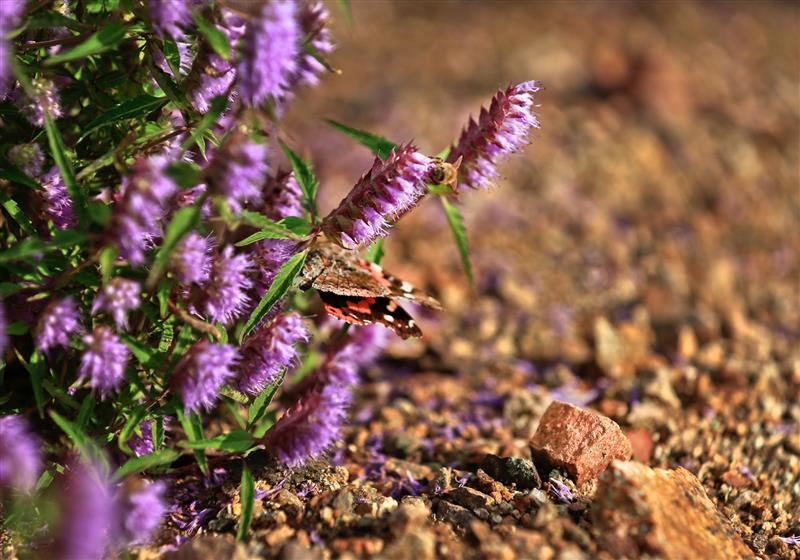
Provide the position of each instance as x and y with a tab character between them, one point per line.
662	186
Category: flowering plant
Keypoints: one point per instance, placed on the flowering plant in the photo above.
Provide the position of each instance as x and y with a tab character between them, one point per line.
156	231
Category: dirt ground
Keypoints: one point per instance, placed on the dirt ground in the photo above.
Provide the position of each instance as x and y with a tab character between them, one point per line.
639	259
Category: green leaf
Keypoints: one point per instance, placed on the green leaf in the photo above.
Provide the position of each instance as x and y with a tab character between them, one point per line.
59	152
305	178
375	252
147	356
456	222
185	174
84	444
236	441
87	407
14	175
172	56
129	109
13	209
36	368
216	38
347	12
17	328
48	20
134	419
281	284
297	225
107	38
247	493
107	257
379	145
181	224
259	407
194	431
34	246
218	106
169	87
146	462
277	233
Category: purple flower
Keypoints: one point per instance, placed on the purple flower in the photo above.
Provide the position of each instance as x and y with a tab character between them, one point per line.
28	157
142	445
270	350
88	513
104	360
282	196
57	203
314	18
226	293
238	171
191	261
20	455
386	192
45	100
270	255
792	540
10	14
142	509
118	297
137	217
269	53
500	131
561	491
211	75
309	427
169	16
202	372
365	344
59	320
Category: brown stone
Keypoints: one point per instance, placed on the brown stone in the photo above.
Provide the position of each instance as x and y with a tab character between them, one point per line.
582	442
457	515
469	498
664	513
642	444
210	546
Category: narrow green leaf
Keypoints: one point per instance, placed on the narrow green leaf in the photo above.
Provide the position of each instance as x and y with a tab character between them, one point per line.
236	441
347	12
33	245
52	19
379	145
456	222
168	86
147	356
87	407
181	224
173	56
216	38
277	233
83	443
17	328
259	407
305	178
281	284
164	288
146	462
36	369
297	225
60	394
218	106
59	152
247	493
375	252
194	433
107	38
185	175
107	257
10	205
134	419
14	175
129	109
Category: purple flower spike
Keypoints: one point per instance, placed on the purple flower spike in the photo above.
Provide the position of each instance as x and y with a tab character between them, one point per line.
59	320
142	510
137	217
45	100
226	295
386	192
169	16
561	491
28	157
270	350
118	297
212	75
309	427
270	256
314	19
282	196
57	203
238	171
792	540
143	445
269	53
10	15
202	372
191	262
87	515
104	360
500	131
20	455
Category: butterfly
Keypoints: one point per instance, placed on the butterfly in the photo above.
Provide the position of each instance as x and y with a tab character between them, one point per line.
360	292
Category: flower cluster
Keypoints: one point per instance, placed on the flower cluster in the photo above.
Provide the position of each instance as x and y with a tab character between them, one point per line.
28	157
501	130
57	203
191	261
385	193
43	100
169	17
59	320
104	360
10	15
118	297
238	171
20	456
226	292
202	372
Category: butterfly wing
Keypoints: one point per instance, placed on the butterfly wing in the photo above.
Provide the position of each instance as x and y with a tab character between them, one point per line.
358	310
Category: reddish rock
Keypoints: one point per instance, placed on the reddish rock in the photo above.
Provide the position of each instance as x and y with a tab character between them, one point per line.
641	511
642	445
581	442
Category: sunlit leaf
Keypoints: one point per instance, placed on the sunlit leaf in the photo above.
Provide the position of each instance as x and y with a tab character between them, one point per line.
379	145
247	493
132	108
216	38
59	152
146	462
456	222
107	38
305	178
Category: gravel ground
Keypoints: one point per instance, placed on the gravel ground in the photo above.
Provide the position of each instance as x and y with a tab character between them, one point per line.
640	261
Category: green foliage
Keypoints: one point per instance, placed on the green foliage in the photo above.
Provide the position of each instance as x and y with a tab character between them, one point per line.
247	493
378	145
456	222
305	178
108	37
